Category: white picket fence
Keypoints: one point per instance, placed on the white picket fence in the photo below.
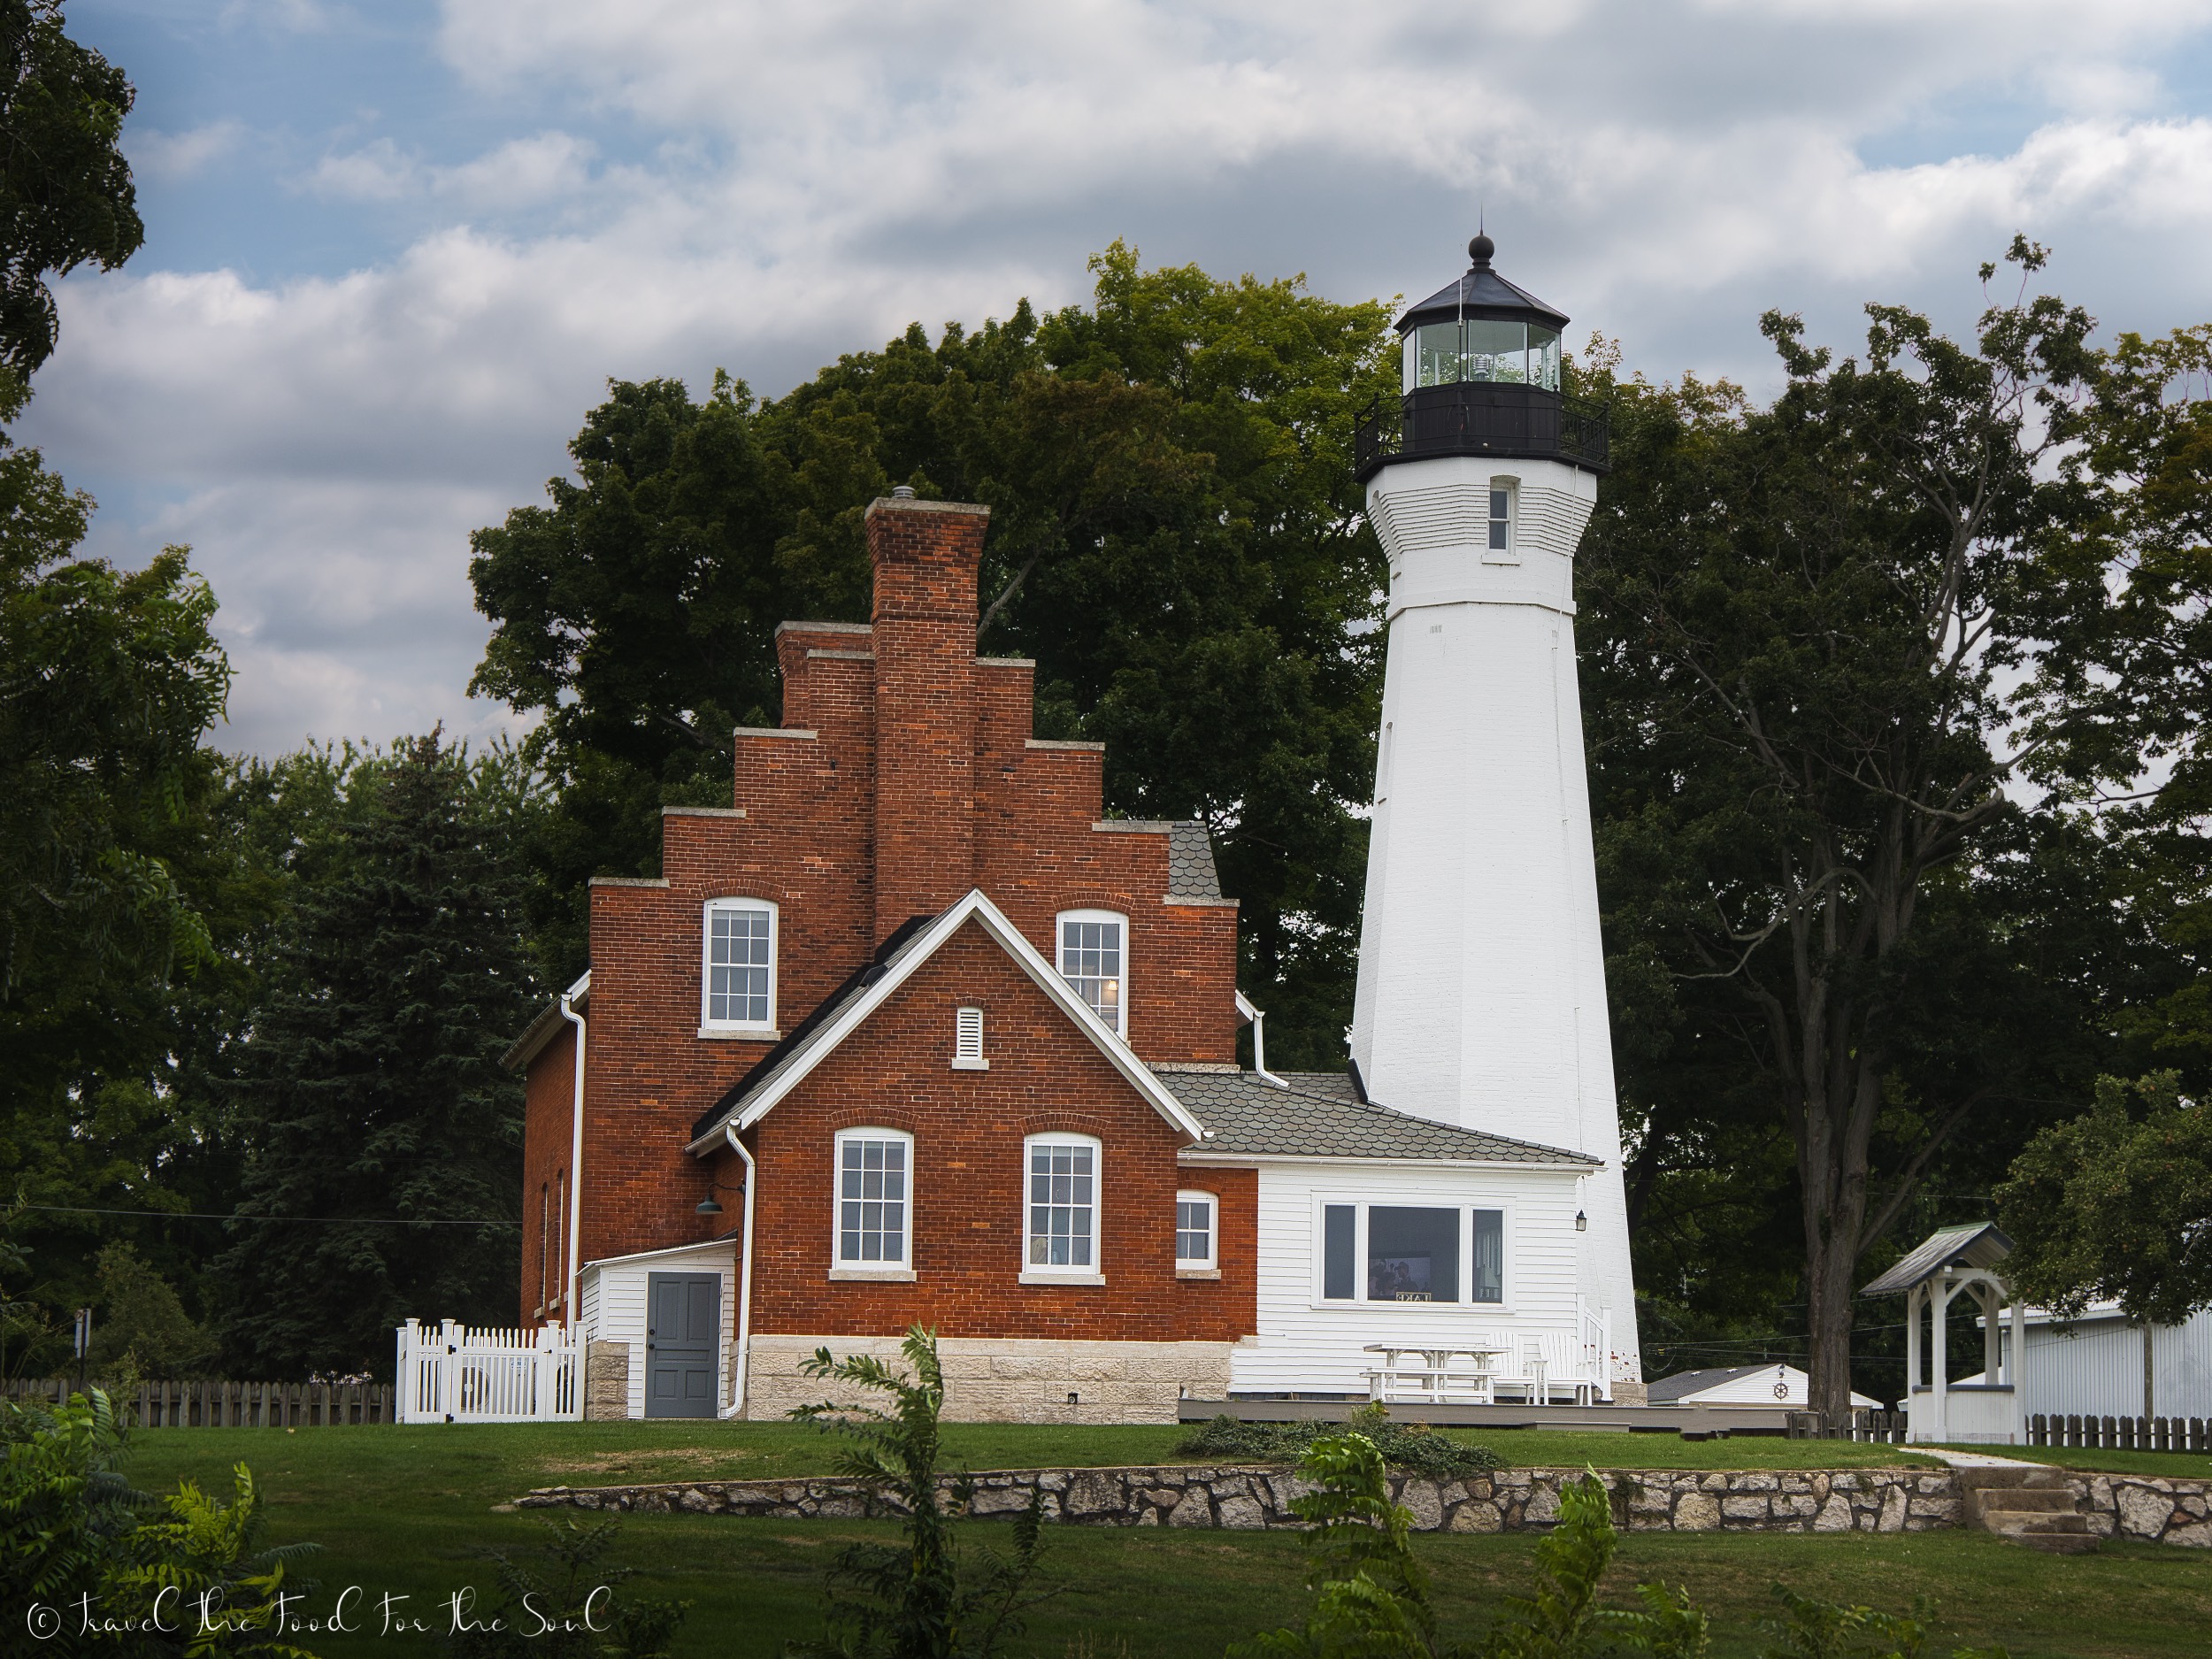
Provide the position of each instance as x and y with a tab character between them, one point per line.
451	1374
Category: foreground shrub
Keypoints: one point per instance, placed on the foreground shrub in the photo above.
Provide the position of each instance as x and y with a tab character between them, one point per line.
1409	1446
1371	1594
75	1538
926	1599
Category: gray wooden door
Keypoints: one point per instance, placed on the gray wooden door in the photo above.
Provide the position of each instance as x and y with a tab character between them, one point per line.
682	1324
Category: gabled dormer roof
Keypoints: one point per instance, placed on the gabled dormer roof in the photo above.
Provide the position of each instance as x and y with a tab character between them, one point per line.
847	1008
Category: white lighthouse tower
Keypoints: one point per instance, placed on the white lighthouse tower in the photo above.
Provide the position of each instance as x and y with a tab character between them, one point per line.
1481	997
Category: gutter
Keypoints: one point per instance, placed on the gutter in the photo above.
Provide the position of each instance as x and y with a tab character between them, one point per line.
569	1312
1259	1041
736	1406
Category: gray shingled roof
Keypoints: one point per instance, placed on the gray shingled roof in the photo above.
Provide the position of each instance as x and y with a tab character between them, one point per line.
1976	1245
1190	863
1316	1118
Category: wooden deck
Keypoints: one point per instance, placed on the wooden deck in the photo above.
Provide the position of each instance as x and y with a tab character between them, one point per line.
1697	1422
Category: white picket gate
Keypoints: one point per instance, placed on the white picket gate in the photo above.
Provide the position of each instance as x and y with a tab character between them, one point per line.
451	1374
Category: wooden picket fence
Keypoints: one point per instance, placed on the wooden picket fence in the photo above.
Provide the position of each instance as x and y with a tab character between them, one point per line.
2121	1434
230	1405
1875	1427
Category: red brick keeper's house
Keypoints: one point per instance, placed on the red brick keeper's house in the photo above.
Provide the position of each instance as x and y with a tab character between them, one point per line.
909	1032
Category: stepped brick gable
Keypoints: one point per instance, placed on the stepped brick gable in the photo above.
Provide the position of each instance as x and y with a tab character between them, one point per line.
904	776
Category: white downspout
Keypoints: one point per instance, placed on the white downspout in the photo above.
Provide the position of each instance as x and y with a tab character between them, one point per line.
1259	1041
744	1277
569	1312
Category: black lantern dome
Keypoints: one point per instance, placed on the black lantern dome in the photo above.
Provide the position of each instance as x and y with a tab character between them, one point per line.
1481	376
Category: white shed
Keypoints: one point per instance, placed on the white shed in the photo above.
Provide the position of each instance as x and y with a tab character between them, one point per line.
1780	1387
673	1311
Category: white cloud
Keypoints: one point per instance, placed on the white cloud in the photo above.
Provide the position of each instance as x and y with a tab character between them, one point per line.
826	173
181	155
522	173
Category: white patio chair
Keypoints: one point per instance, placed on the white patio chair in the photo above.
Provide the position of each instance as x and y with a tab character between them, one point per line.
1562	1371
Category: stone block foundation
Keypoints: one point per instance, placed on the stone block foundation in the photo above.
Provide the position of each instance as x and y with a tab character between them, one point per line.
606	1382
990	1379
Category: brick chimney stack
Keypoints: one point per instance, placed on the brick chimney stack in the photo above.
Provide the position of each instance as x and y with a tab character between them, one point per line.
925	555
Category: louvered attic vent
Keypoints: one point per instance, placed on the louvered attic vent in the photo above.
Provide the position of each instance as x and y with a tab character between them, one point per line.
967	1046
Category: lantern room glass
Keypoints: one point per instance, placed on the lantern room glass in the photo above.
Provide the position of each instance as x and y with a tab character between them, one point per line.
1482	349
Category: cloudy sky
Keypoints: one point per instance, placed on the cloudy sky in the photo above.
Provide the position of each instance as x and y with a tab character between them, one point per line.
397	247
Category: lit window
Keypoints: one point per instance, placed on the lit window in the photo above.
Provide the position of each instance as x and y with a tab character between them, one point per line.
739	992
1062	1204
873	1167
967	1042
1092	959
1195	1229
1501	520
1409	1253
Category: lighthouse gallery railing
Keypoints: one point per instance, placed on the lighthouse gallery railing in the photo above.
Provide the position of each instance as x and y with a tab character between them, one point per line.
1482	418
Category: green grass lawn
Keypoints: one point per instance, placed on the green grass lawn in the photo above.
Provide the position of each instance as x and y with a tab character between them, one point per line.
412	1510
2180	1465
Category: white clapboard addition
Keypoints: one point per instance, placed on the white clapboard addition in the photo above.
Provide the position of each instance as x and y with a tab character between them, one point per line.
451	1373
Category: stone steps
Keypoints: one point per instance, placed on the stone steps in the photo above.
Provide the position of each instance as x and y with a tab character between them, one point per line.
2056	1533
2028	1502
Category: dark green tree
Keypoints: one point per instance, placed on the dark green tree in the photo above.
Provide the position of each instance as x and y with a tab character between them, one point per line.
1852	659
65	192
1175	538
110	886
369	1093
2116	1204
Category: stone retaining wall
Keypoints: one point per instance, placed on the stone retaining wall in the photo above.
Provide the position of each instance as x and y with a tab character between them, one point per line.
2147	1507
1256	1496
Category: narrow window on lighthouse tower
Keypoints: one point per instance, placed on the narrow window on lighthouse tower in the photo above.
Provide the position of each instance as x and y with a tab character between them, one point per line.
1501	520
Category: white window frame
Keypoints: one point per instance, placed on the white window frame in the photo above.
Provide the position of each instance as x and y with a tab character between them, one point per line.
1208	1266
967	1040
1070	1273
1360	1205
1119	1024
1510	553
709	1026
899	1272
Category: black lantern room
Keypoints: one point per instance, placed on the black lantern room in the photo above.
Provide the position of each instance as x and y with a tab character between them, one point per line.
1481	377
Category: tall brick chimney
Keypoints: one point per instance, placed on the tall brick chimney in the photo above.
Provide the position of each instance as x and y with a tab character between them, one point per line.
925	553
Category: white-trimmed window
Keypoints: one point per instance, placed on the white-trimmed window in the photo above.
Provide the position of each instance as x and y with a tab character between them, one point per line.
1500	515
1060	1205
738	978
875	1199
1095	959
1196	1220
967	1040
1411	1253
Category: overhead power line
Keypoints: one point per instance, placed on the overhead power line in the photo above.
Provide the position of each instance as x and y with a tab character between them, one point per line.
324	1221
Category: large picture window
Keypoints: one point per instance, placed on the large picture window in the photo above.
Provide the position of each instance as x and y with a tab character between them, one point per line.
1412	1252
874	1198
737	989
1062	1204
1094	958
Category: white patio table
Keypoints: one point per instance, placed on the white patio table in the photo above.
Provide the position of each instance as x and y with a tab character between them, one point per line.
1437	1375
